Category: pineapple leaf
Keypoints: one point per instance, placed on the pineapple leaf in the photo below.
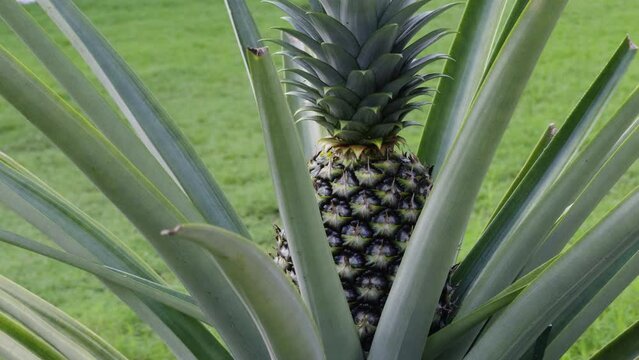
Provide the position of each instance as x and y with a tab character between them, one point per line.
580	322
334	32
36	347
132	193
332	7
309	42
145	115
303	95
578	304
339	59
543	194
412	300
312	79
447	337
377	100
66	324
244	26
539	148
367	115
385	68
256	277
150	288
343	92
81	236
416	23
319	284
470	49
302	86
610	140
399	11
361	82
336	107
288	48
96	108
516	10
69	346
360	17
297	17
615	237
538	349
381	42
424	42
624	346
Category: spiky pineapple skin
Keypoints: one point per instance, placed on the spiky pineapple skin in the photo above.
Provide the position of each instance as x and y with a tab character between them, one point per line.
369	204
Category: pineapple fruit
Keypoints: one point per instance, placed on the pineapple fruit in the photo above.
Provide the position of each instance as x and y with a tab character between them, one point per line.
360	69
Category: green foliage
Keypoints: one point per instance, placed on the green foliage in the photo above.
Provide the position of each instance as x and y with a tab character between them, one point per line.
160	181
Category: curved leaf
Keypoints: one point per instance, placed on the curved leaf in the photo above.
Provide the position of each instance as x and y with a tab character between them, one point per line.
273	301
411	304
149	288
453	99
136	197
27	339
96	108
516	328
319	283
624	346
145	114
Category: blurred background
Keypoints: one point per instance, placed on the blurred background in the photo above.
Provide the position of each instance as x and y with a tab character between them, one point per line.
185	52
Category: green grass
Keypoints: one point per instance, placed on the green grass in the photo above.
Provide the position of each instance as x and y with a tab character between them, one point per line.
186	53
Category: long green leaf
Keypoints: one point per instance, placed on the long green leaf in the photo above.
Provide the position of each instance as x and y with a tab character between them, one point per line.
512	240
70	327
319	283
617	127
79	234
448	337
33	321
453	100
623	347
149	288
137	198
539	148
516	328
11	349
28	339
145	114
246	32
96	108
515	12
284	320
566	336
308	131
411	304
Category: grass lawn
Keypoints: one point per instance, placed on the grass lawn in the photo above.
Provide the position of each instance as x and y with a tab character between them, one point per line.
185	52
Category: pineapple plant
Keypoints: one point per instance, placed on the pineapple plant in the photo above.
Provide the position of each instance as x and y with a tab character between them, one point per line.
372	234
361	88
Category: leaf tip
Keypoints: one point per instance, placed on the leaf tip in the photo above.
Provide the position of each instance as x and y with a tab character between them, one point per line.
171	232
631	44
258	51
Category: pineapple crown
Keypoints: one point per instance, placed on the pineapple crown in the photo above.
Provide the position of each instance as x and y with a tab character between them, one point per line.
358	63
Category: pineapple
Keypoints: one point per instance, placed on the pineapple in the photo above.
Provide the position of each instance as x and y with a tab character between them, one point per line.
358	66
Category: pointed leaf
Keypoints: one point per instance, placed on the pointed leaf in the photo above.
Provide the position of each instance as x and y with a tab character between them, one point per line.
273	301
616	236
333	31
96	108
624	346
319	283
421	276
135	196
145	115
470	50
